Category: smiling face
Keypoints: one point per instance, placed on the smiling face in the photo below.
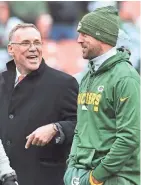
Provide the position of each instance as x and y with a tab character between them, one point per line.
28	54
91	47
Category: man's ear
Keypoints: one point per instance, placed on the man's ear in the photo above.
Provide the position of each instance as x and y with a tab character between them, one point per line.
10	50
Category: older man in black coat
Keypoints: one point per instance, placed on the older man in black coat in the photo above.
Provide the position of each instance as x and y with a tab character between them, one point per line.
37	111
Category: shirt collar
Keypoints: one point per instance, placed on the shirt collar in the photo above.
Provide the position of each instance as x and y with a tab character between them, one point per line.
17	74
98	61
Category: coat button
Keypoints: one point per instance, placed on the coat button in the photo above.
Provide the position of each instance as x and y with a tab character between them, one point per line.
11	116
8	143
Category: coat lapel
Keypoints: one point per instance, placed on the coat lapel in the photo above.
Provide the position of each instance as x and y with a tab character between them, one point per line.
21	94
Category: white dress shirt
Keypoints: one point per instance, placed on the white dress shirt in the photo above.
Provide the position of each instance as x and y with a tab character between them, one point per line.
17	76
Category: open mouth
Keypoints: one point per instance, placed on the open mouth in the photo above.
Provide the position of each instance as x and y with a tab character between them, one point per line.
32	57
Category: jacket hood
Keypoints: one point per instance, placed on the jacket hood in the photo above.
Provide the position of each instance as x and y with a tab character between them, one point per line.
121	56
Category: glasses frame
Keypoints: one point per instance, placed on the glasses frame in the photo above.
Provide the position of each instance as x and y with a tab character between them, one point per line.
28	44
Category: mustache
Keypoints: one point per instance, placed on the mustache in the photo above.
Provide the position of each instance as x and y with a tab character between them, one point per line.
83	45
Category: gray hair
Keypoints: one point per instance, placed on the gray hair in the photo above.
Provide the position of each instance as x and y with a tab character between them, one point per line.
21	26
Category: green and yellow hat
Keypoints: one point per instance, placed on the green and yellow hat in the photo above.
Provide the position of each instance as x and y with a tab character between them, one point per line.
102	24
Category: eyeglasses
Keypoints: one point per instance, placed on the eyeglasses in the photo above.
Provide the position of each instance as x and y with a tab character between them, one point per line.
27	45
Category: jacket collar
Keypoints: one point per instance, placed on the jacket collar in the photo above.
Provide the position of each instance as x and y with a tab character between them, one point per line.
12	67
10	74
95	63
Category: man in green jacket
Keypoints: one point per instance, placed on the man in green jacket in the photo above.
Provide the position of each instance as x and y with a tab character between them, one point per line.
105	149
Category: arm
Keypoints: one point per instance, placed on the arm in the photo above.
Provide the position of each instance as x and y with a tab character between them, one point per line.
4	163
7	174
68	109
127	106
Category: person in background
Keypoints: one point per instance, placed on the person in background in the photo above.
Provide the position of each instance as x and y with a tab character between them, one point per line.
128	24
6	24
38	111
7	174
44	24
65	14
28	11
49	47
106	144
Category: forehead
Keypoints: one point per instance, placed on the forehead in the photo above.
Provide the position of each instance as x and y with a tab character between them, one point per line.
26	34
86	36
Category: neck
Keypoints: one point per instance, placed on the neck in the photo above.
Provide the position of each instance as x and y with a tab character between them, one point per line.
22	71
105	48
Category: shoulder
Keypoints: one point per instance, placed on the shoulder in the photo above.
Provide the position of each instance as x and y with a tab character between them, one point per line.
60	77
125	70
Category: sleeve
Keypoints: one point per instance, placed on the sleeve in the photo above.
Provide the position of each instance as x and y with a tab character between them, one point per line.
127	106
4	163
69	109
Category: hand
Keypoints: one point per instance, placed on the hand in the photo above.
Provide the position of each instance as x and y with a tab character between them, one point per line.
10	181
41	136
93	181
96	182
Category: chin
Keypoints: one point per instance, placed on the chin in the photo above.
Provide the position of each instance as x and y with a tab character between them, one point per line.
34	67
85	57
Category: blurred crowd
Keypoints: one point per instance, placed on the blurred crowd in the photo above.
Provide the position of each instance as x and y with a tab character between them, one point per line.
57	21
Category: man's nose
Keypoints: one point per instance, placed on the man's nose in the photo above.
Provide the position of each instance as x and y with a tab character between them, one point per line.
32	47
80	38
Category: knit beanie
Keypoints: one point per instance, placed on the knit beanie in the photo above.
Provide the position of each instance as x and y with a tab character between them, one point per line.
102	24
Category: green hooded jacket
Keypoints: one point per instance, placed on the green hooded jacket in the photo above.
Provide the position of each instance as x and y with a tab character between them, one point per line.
107	134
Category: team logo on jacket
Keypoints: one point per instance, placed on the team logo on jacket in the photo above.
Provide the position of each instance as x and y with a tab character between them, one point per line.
79	26
75	181
100	88
97	33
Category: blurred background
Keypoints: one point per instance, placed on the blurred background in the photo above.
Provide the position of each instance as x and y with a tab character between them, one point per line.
57	21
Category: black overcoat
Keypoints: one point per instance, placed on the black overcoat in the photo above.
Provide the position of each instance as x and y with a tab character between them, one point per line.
42	97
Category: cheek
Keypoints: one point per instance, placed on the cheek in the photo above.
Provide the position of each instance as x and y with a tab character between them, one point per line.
40	52
19	53
88	45
92	45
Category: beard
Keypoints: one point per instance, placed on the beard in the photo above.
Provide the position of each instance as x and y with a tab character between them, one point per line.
92	52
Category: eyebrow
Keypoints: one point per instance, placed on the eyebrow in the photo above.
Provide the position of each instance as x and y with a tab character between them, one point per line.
29	40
